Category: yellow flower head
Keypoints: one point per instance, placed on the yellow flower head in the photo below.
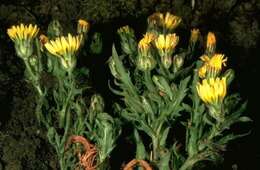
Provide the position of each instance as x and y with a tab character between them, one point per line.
217	61
194	35
202	71
145	42
22	32
212	66
167	42
211	42
64	46
171	21
83	26
212	91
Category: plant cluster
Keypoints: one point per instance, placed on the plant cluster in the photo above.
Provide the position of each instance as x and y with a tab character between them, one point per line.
160	85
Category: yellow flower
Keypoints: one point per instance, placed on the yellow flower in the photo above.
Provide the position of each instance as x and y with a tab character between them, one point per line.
212	91
22	35
167	42
217	61
22	32
145	43
211	42
83	26
194	35
171	21
202	71
65	48
212	66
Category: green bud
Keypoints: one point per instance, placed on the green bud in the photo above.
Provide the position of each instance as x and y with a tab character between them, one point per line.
230	75
216	112
33	61
128	40
96	44
178	62
166	61
97	103
54	29
145	63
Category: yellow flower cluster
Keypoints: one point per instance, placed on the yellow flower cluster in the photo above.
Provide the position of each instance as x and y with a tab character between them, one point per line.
212	66
22	32
212	91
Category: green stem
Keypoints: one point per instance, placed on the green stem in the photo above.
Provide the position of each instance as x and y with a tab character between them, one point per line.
155	148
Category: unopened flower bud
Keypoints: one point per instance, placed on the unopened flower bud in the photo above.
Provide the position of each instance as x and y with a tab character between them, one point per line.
82	27
97	103
128	41
178	62
54	29
166	61
211	43
230	75
33	60
195	33
145	63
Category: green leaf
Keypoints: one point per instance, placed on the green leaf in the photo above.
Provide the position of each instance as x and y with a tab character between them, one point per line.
140	148
164	136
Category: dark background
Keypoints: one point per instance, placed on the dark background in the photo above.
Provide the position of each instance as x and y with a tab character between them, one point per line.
235	22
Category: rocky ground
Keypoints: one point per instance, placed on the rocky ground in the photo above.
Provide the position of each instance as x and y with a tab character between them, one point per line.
235	22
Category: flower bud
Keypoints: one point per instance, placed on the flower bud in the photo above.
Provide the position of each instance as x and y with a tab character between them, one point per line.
128	41
216	112
230	75
82	27
195	33
178	62
166	61
145	63
54	29
211	43
97	103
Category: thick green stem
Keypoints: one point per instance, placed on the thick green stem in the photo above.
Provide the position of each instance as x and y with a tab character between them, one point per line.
155	142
